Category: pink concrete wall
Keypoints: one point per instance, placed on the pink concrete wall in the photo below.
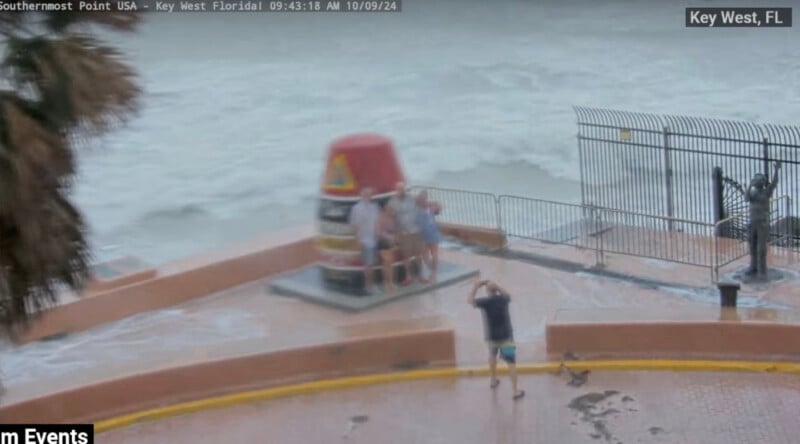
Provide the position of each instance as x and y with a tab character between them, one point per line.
103	400
757	340
180	282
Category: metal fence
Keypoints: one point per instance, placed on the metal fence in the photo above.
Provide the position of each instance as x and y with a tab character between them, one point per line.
663	165
604	230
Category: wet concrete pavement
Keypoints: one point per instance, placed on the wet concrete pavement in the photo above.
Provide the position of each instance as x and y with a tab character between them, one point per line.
619	407
249	319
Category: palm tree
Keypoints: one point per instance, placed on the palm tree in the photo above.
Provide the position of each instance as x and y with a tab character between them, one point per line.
59	85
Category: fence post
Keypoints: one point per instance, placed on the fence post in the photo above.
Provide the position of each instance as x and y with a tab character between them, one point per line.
789	223
668	181
717	199
715	249
765	149
498	213
582	173
715	261
598	233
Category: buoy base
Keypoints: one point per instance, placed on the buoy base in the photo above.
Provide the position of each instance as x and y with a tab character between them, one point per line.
352	281
307	284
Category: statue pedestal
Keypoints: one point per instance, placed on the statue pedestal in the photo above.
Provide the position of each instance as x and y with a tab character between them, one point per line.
351	281
772	276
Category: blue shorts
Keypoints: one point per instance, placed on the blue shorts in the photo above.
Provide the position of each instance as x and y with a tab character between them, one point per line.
369	256
507	350
431	236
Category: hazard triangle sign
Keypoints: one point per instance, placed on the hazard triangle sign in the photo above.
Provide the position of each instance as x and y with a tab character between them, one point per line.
338	177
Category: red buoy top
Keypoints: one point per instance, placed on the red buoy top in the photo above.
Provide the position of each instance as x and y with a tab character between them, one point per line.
358	161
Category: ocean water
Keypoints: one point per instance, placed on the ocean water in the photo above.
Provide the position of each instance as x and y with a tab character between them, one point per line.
239	108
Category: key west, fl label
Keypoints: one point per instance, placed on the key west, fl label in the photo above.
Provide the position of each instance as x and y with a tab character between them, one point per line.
738	17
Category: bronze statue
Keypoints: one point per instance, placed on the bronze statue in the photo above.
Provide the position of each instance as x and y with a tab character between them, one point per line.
758	196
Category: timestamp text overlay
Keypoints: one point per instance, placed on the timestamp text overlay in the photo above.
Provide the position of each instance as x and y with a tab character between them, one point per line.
286	6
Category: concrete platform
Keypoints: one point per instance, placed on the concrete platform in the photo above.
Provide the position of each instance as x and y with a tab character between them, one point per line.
174	283
243	320
306	284
616	408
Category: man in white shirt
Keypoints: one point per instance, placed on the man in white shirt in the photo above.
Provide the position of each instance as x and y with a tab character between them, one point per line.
364	220
410	236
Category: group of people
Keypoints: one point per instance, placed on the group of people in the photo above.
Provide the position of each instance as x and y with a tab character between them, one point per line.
406	224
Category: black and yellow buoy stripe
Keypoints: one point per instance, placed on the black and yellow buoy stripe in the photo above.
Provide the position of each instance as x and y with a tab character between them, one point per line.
341	243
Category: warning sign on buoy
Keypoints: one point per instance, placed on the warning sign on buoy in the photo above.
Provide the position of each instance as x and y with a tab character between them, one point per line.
338	177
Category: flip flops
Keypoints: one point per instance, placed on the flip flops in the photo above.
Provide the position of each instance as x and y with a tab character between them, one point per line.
519	395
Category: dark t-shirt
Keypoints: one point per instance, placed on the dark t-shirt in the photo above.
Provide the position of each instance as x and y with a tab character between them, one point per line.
496	318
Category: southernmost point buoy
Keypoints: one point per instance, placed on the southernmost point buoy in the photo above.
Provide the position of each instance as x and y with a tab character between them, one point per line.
354	162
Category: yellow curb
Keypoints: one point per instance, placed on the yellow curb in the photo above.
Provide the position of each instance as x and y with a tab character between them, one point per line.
314	387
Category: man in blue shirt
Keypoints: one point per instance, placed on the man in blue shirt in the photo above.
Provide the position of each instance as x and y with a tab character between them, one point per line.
499	333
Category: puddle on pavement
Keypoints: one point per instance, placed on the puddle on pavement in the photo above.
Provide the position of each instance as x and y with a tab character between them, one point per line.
655	430
353	423
359	419
598	410
587	406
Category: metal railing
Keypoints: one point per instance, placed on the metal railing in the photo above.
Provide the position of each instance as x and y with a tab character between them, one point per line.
554	222
473	208
604	230
657	237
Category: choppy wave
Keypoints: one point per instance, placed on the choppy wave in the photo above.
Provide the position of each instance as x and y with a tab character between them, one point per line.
166	215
